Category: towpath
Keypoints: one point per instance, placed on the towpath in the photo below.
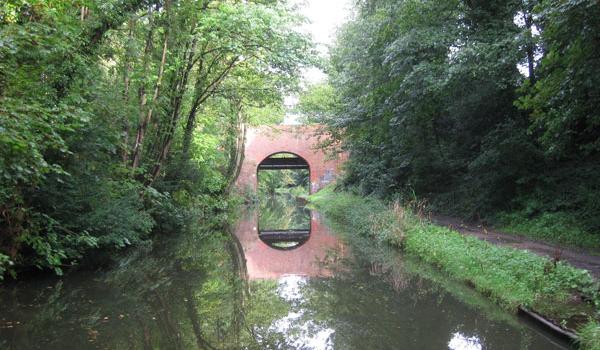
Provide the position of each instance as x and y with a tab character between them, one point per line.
581	258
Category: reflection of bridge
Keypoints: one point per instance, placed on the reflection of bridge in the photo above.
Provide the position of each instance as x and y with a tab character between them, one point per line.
265	262
283	235
300	140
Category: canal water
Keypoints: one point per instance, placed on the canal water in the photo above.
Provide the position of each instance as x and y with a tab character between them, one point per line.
281	278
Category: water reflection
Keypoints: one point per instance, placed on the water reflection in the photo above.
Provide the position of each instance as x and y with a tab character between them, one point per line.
311	248
283	212
461	342
283	223
373	298
209	290
179	294
303	332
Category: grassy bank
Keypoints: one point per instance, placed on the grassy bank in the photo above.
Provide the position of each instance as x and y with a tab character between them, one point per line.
511	278
561	228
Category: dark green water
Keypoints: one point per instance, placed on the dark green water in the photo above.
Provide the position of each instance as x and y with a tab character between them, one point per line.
211	290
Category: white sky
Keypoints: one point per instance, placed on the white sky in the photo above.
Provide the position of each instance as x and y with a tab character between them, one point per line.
324	17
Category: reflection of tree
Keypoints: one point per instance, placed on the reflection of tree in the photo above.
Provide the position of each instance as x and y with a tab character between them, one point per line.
263	308
282	212
193	316
186	292
377	290
271	182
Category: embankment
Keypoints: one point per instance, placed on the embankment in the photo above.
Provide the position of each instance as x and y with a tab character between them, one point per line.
514	279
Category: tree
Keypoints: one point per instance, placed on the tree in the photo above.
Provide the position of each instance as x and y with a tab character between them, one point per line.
432	103
319	103
123	118
564	100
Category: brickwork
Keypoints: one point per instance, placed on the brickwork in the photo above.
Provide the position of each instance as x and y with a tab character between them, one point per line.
301	140
265	262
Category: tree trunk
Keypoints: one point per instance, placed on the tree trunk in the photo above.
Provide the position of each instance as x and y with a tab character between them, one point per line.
530	47
166	139
142	89
237	156
127	82
142	128
189	130
200	95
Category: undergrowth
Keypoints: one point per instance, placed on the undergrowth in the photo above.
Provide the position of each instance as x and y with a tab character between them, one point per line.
509	277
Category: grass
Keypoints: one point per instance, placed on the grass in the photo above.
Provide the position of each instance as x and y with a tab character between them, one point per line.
509	277
590	336
560	228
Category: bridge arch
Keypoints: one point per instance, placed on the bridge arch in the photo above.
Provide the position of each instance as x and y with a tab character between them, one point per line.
300	140
272	161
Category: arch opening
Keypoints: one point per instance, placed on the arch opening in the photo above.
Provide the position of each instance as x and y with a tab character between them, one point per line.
283	183
283	173
283	161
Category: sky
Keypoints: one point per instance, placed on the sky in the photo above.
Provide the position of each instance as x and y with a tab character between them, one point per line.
324	17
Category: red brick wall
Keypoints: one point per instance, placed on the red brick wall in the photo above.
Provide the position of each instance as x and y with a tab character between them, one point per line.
301	140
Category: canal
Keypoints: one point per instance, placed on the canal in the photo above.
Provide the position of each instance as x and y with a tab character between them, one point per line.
281	277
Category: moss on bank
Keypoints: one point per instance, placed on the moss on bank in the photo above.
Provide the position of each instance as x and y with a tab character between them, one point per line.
510	277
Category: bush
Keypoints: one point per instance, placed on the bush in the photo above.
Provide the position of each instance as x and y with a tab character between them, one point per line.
5	265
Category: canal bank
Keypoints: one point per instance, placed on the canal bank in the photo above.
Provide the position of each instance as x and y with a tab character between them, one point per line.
206	288
511	278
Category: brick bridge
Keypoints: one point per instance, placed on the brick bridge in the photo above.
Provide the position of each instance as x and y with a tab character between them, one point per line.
301	140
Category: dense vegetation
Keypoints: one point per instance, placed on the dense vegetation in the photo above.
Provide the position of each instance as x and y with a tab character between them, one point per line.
487	109
294	182
125	117
510	277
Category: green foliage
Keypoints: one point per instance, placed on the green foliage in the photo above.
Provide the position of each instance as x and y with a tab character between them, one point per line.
271	182
589	336
38	114
123	118
432	102
318	103
5	264
265	115
562	228
564	100
509	277
370	219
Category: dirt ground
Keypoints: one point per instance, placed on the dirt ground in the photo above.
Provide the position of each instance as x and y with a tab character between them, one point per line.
577	257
